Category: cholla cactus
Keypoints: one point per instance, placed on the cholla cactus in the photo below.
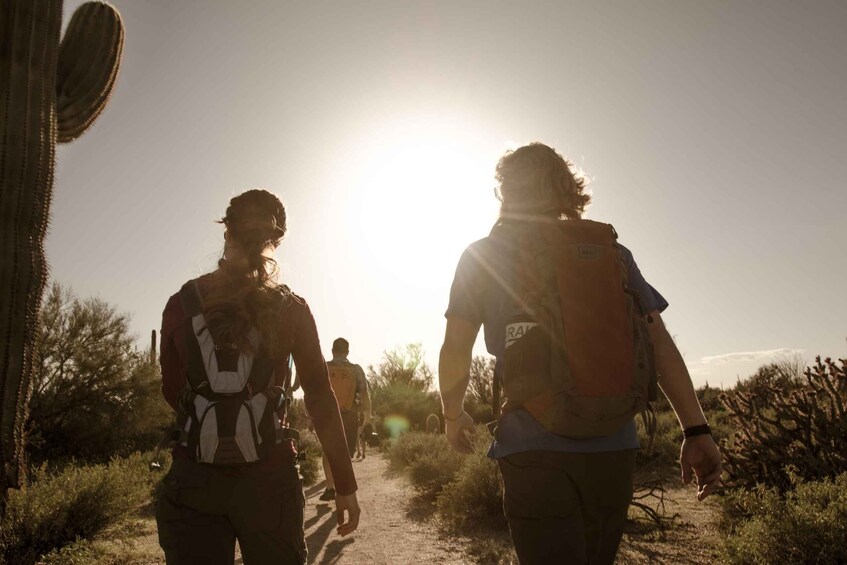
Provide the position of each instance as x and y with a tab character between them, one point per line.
49	93
804	430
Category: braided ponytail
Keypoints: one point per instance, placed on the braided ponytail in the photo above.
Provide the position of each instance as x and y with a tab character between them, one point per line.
246	294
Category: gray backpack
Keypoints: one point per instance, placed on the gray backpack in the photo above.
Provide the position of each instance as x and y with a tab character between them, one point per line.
228	411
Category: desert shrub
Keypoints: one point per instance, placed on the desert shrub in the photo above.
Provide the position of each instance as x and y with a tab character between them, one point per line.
427	459
101	552
405	450
297	417
806	525
433	471
774	379
94	395
311	466
666	441
80	552
466	488
710	399
481	413
783	423
401	390
480	397
403	407
474	499
58	508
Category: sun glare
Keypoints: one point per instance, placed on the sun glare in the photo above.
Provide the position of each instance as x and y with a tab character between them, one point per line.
421	193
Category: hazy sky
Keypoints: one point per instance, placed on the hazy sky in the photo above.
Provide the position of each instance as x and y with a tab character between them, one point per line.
715	134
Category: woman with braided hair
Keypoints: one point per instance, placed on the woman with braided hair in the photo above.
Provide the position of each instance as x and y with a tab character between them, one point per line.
228	339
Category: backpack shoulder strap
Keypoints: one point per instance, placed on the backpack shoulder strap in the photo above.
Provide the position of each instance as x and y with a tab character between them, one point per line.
189	295
192	304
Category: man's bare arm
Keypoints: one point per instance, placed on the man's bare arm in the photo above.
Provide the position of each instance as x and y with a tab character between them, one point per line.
699	456
454	365
673	374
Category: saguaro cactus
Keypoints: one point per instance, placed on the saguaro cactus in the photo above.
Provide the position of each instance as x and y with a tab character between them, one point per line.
49	92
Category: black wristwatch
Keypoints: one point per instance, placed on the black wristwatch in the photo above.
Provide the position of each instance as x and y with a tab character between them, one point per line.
700	430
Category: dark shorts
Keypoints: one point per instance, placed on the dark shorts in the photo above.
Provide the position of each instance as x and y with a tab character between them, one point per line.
202	509
567	508
350	419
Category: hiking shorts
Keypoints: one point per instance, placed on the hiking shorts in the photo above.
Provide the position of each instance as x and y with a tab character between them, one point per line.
202	509
567	508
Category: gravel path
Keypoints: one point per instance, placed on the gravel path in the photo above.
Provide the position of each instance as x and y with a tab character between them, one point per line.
387	533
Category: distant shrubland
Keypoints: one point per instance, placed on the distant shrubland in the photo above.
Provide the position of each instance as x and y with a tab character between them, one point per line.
95	396
74	505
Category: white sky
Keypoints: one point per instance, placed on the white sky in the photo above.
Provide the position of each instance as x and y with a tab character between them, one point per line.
715	134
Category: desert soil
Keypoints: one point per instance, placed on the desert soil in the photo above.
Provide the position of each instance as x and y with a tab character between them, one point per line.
394	529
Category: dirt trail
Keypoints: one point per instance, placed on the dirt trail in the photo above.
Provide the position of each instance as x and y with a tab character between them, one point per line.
386	534
392	531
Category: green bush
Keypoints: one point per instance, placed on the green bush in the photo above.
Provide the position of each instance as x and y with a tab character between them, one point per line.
311	466
433	471
807	525
296	416
401	390
427	459
94	396
60	508
474	499
466	488
405	450
666	442
479	399
398	402
81	552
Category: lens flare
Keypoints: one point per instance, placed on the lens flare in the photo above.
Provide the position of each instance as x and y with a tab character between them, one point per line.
396	424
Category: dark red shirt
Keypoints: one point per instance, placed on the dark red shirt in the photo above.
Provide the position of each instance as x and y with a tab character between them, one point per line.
300	338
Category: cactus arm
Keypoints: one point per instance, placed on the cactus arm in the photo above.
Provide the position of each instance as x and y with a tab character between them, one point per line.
28	56
89	60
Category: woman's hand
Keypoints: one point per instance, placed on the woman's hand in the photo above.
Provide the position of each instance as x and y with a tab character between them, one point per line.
350	504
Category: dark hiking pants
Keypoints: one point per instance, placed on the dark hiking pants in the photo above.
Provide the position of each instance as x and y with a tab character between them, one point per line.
567	508
203	509
350	421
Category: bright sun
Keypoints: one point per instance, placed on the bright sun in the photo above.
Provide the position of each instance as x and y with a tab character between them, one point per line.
421	193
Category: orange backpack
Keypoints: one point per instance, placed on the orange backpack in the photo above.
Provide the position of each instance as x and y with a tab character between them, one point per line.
578	356
343	381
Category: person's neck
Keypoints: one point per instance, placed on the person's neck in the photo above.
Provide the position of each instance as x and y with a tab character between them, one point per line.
339	356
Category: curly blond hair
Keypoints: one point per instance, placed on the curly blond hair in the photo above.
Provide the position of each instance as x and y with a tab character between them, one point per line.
535	180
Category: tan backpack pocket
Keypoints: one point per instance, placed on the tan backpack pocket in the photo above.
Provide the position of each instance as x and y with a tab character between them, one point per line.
582	417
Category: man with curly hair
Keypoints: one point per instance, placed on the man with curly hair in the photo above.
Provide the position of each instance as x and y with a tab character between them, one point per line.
566	491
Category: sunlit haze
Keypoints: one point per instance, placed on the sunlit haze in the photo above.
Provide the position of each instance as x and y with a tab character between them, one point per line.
714	134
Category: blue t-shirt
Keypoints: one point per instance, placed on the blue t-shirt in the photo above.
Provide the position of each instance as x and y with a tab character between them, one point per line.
481	295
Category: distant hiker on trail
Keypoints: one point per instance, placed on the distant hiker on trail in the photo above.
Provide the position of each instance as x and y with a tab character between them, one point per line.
351	390
227	341
571	321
